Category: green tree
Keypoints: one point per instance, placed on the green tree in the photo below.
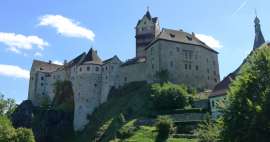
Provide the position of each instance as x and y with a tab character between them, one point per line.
170	96
24	135
164	126
7	106
247	116
10	134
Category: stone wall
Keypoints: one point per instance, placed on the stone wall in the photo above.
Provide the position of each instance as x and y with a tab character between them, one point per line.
87	93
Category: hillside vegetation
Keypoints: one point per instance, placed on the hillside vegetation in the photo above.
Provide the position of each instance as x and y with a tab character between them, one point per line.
130	112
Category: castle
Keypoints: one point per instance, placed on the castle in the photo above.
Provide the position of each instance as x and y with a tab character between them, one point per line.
187	59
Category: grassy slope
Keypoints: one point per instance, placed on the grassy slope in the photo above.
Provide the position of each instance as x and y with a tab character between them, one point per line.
132	101
128	103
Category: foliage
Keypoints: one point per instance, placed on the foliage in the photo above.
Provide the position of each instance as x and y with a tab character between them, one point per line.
208	131
124	104
170	96
127	130
247	116
162	76
10	134
7	106
64	96
164	126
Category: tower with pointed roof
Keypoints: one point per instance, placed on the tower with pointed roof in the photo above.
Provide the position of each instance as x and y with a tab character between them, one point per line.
147	29
259	39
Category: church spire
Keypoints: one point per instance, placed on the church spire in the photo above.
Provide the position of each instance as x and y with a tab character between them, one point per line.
259	39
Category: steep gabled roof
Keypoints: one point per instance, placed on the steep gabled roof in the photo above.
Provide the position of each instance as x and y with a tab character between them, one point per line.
111	59
180	37
77	59
92	57
45	66
149	17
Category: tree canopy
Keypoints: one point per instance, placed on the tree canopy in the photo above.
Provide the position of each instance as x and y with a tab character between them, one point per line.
247	116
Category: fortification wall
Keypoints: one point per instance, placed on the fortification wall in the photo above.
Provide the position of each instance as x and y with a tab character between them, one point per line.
87	90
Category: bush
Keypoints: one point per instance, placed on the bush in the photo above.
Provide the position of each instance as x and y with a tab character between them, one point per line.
208	131
170	96
164	126
25	135
10	134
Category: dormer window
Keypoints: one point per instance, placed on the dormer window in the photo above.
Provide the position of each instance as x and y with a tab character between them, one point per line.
172	35
189	37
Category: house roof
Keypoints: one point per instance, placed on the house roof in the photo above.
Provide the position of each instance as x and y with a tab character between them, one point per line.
111	59
92	57
149	17
45	66
133	61
180	37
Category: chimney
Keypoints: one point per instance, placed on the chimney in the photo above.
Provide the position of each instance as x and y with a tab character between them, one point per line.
193	34
50	61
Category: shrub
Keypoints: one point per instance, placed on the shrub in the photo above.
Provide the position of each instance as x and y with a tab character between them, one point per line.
10	134
164	126
208	131
170	96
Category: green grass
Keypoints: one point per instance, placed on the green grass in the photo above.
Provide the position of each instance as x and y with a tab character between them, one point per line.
132	101
124	105
148	134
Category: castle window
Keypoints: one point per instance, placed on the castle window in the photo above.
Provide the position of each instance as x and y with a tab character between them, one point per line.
41	84
197	67
177	49
97	68
208	71
43	93
208	78
88	68
125	79
213	104
80	69
42	78
171	63
153	66
207	60
106	68
215	80
95	85
189	66
32	78
186	66
106	77
112	67
41	68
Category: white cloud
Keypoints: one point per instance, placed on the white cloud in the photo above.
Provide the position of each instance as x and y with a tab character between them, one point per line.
16	42
38	54
66	27
209	40
14	71
57	62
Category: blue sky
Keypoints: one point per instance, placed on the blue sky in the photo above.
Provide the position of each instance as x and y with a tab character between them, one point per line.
30	30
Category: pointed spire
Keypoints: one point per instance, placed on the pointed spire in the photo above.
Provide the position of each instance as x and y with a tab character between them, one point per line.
259	39
147	14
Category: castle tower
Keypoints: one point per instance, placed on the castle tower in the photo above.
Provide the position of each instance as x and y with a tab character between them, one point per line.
259	39
147	29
